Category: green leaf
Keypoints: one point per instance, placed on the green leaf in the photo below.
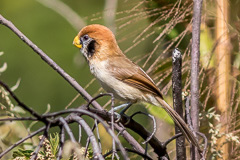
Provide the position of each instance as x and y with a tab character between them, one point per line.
54	142
22	153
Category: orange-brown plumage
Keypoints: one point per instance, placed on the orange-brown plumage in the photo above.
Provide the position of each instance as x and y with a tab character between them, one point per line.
119	75
103	39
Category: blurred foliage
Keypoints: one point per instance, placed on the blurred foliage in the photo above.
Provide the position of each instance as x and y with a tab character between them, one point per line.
50	149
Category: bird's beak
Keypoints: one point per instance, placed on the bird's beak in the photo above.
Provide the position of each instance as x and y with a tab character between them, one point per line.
77	42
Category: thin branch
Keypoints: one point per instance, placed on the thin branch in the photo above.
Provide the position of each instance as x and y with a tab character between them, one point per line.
154	125
99	96
39	117
205	144
98	135
69	131
172	138
146	149
189	122
130	151
177	100
61	144
19	119
197	6
96	150
21	141
129	138
88	142
79	133
45	135
187	113
112	126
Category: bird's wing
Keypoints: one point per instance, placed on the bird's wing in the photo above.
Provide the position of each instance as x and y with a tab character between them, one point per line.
125	70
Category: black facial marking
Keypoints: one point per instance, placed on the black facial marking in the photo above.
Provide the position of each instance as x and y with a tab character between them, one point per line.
91	48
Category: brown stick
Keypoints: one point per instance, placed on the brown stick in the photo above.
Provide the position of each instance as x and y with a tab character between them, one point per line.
177	100
223	72
197	5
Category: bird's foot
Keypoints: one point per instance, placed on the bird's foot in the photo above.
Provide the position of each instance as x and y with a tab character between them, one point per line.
125	106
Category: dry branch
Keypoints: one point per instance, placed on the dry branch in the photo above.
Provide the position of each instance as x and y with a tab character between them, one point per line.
177	100
197	6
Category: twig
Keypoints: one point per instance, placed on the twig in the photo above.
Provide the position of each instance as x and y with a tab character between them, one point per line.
88	142
131	151
154	125
19	119
35	114
205	144
98	135
197	5
177	100
121	130
69	131
98	96
35	153
112	126
79	133
62	140
96	150
189	122
172	138
146	149
21	141
187	113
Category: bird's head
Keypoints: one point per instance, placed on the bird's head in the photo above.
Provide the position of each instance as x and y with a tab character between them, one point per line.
96	42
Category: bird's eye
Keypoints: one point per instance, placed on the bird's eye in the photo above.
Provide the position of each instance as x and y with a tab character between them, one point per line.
85	37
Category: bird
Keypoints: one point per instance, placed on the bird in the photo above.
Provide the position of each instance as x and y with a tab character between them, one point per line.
121	77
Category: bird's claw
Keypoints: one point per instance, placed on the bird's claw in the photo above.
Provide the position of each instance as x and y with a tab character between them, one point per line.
117	115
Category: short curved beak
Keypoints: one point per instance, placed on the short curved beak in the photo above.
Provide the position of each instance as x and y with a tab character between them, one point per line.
77	42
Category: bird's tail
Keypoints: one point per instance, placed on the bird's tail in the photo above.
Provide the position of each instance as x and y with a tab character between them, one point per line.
179	122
